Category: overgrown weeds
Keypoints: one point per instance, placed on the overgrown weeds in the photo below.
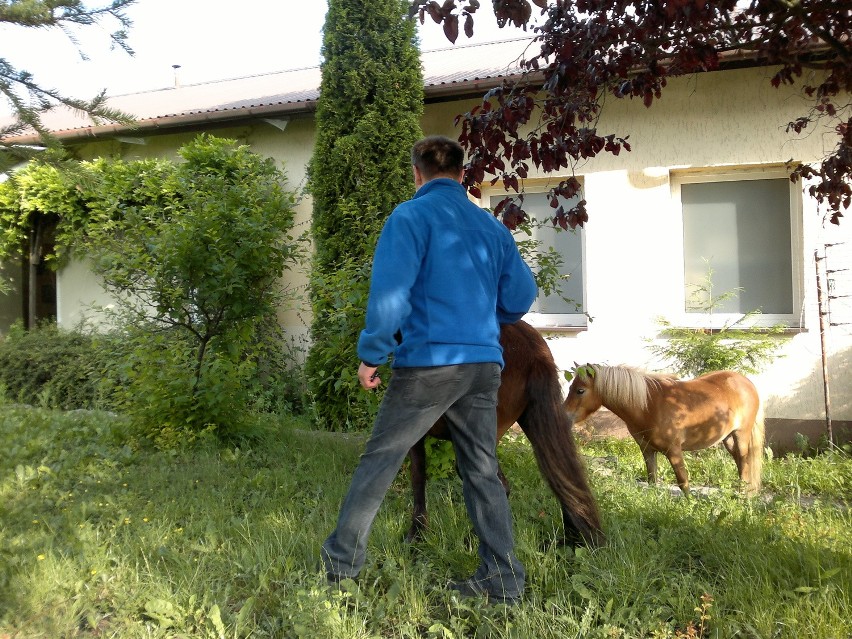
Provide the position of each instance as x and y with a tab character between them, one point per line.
103	536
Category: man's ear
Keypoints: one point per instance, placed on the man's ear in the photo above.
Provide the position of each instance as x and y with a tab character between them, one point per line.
418	177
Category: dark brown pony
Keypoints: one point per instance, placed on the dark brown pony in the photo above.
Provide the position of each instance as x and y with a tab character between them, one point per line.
530	394
666	415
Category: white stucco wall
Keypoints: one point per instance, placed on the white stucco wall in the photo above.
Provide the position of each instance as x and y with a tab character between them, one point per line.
633	243
80	296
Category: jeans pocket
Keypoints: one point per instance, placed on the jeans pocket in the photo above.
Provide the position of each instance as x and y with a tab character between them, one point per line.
429	387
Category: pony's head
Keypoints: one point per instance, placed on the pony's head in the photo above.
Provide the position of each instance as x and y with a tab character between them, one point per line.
582	399
595	385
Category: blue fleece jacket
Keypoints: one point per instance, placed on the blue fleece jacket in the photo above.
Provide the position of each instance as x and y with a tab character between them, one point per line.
446	274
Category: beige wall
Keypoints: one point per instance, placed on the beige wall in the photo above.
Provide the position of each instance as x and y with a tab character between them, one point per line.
80	296
633	258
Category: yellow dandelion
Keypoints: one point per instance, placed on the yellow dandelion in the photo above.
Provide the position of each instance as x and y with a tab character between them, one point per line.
41	557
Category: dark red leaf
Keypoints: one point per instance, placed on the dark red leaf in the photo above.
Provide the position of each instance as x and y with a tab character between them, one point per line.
451	28
434	10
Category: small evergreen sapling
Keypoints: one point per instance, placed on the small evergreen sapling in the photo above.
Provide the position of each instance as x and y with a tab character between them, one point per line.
738	345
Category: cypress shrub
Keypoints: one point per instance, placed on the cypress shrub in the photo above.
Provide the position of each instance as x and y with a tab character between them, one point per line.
368	117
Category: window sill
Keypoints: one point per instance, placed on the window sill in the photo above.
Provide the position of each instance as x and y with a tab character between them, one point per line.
555	328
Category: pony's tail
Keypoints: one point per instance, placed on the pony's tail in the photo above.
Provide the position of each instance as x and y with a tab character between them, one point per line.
755	451
549	430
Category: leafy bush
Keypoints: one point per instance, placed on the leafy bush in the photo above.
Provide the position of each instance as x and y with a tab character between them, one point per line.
193	254
51	367
278	385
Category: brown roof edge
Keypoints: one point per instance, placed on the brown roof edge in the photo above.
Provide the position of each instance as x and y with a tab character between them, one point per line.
175	121
435	92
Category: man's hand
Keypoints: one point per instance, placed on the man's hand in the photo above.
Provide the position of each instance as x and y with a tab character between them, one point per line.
368	376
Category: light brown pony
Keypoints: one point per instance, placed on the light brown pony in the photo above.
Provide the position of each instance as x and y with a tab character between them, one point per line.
530	394
666	415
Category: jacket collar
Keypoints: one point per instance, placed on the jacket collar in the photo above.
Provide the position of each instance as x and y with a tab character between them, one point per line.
438	183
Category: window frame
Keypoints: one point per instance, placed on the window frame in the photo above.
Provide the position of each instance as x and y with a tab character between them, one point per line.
548	321
718	319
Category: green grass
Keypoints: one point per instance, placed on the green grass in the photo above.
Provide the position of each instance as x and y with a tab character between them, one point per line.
101	536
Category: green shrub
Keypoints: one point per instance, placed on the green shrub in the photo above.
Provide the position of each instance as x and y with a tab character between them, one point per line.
338	401
193	254
51	367
279	384
368	117
736	346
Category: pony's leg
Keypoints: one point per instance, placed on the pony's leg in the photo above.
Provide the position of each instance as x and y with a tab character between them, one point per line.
732	445
650	457
740	445
503	480
419	520
675	457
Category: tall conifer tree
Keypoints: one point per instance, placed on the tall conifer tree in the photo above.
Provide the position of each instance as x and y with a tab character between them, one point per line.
368	116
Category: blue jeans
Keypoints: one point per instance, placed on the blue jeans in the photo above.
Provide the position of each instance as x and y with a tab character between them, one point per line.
466	395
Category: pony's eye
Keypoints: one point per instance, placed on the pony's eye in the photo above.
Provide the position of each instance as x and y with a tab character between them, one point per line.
580	391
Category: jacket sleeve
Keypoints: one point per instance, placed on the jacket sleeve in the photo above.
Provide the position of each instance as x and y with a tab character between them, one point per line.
396	264
517	288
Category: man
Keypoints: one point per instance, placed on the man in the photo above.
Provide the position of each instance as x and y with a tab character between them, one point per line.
445	275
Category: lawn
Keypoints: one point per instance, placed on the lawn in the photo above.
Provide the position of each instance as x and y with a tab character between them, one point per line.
102	536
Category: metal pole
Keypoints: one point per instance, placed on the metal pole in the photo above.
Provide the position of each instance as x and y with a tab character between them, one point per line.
822	341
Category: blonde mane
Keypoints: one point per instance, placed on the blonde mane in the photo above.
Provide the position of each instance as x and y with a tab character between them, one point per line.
624	386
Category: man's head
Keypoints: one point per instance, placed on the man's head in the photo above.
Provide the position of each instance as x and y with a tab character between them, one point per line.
437	156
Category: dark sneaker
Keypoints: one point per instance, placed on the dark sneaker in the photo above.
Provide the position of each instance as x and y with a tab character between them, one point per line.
469	588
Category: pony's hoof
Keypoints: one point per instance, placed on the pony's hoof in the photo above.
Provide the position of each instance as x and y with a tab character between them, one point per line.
594	539
414	535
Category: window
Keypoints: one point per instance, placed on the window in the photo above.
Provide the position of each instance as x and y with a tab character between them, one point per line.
553	311
740	235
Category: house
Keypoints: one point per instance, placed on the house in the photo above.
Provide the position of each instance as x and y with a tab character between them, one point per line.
705	188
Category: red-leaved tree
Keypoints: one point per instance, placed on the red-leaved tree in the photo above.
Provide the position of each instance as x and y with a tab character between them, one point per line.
590	49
